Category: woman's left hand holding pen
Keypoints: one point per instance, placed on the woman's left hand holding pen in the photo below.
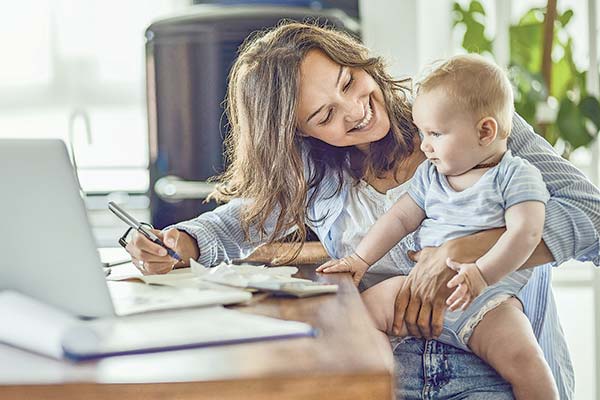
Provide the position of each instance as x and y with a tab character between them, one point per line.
151	258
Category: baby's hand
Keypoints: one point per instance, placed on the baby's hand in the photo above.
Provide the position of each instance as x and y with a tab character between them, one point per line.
353	264
469	283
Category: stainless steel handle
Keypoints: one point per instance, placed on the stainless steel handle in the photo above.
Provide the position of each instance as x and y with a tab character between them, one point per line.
173	188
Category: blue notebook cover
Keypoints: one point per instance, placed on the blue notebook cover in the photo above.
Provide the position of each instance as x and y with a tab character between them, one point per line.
175	330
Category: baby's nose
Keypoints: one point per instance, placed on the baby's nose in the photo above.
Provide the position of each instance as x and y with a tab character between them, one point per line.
426	147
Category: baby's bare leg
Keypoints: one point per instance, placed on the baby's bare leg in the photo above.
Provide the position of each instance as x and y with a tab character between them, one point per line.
505	340
380	300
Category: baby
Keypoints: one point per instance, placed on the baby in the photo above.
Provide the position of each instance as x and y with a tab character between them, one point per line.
470	182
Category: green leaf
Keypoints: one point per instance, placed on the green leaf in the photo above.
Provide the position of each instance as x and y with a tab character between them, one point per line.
562	78
565	17
568	49
590	108
526	45
476	7
474	40
533	16
457	14
551	134
571	124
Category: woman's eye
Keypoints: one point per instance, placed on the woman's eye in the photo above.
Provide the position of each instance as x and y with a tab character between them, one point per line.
347	85
326	120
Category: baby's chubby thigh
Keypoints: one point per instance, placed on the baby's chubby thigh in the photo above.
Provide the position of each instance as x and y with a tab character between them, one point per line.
380	300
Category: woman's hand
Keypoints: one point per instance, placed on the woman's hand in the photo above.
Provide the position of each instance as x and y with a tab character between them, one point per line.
421	302
353	264
151	258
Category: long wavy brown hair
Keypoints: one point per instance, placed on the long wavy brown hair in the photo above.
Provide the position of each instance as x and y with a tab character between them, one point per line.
264	150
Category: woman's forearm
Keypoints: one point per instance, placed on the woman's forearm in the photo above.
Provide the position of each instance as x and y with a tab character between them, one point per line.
311	253
468	249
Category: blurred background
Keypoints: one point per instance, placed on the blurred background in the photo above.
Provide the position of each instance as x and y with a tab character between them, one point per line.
135	89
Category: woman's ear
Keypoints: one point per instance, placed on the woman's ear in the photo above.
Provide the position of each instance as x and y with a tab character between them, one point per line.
487	129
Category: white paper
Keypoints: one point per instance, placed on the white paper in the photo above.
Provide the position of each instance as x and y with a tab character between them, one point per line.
133	297
245	275
113	255
32	325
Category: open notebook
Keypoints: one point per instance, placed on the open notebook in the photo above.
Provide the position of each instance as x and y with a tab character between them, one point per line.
65	336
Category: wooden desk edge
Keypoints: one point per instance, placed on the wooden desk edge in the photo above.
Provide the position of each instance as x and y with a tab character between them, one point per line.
331	387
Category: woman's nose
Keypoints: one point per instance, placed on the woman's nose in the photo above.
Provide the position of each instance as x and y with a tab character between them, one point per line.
354	110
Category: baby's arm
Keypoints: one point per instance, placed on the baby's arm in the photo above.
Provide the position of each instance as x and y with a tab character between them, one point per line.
524	227
402	218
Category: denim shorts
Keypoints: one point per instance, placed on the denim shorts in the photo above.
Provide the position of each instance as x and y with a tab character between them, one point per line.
428	369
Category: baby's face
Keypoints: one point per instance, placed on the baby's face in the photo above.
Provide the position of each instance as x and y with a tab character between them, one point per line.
450	136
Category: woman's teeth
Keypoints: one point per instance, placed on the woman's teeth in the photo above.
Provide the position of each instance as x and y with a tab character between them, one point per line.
366	119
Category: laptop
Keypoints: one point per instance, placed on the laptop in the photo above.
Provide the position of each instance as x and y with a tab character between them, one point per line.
48	250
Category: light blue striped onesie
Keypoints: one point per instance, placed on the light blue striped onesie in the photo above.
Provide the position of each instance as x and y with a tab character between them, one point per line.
451	214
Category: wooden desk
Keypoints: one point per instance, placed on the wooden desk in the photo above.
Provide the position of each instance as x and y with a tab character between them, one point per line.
343	362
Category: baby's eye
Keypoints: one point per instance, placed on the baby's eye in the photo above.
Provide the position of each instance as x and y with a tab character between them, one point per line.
435	134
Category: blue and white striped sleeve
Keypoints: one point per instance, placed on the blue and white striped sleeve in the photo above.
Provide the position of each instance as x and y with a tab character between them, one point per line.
219	234
572	222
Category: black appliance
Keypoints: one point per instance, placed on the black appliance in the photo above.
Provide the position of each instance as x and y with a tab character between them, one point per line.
188	58
350	7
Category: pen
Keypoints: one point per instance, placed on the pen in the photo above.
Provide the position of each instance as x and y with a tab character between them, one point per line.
135	224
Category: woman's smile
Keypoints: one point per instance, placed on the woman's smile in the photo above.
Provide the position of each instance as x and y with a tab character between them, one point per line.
368	121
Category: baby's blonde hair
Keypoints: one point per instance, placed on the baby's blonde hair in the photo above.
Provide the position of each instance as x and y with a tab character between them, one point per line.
476	84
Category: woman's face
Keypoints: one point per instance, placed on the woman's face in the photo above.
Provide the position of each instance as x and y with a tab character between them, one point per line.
341	106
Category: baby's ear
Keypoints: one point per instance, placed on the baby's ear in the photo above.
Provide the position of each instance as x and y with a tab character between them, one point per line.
487	128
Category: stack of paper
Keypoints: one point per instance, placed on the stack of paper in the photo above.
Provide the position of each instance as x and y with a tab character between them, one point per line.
277	280
65	336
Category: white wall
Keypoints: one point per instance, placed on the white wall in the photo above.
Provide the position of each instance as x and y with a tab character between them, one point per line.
409	33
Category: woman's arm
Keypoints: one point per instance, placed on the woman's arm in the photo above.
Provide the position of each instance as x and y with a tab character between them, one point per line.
311	253
573	212
468	249
219	234
210	238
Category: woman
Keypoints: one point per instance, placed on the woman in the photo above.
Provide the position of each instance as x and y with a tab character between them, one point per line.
321	134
